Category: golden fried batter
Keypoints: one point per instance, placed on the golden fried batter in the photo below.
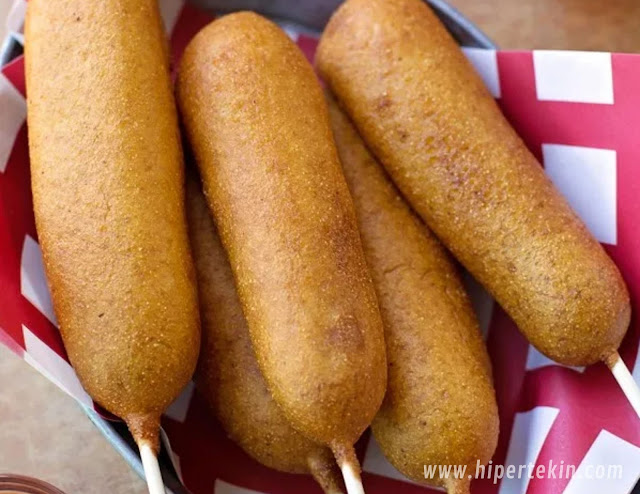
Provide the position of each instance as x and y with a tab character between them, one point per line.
440	406
429	120
107	179
228	374
257	120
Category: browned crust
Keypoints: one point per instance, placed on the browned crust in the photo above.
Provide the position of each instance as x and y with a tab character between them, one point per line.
256	118
228	375
107	180
430	121
440	406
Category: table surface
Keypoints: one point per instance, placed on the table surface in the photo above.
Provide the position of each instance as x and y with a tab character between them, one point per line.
45	434
557	24
4	11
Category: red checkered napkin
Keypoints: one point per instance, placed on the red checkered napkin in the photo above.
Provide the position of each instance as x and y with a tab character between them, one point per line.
580	115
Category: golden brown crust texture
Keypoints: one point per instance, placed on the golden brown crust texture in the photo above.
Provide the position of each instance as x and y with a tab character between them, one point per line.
440	406
107	179
228	375
257	120
430	121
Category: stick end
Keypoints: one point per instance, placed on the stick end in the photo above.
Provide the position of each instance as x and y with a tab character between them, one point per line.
145	430
612	359
350	467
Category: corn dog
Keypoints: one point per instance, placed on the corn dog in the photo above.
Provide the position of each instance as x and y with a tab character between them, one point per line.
440	406
430	121
107	180
258	123
227	374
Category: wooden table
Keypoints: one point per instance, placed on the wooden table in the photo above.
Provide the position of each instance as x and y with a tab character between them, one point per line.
45	433
605	25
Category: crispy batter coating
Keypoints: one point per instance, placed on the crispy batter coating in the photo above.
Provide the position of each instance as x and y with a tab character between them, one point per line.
258	123
440	406
228	375
107	179
430	121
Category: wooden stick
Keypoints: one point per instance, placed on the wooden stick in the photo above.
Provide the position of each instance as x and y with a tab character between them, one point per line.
625	380
151	468
323	469
352	480
350	467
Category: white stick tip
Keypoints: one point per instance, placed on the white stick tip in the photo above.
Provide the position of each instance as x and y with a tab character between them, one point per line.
352	480
625	380
151	469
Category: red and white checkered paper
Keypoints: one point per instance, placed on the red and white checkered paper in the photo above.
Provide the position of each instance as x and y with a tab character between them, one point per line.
580	115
